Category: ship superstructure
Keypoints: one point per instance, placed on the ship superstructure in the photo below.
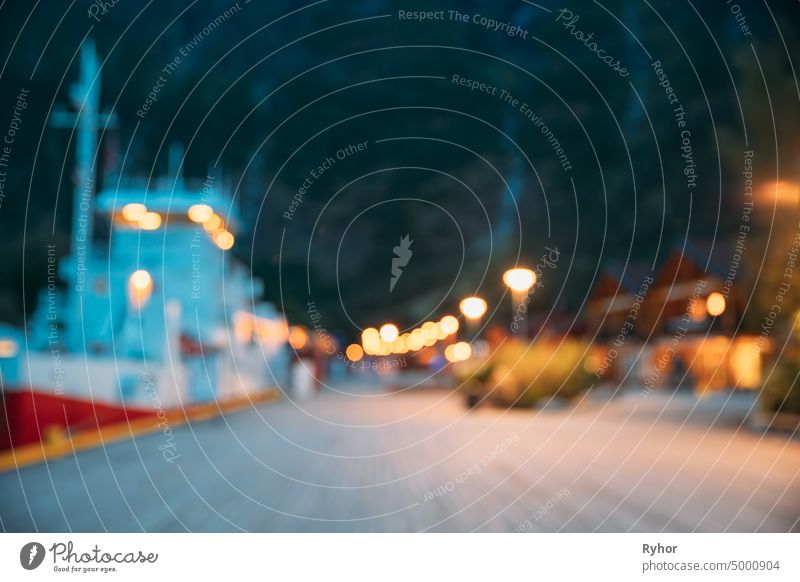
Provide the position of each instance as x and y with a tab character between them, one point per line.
159	309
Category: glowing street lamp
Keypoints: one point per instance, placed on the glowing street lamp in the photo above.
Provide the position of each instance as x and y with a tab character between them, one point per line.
389	332
473	309
519	280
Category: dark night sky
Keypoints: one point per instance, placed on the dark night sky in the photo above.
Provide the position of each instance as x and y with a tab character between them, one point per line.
273	94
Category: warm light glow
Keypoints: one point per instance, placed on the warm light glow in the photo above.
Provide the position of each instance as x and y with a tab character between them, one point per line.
519	280
370	335
428	333
415	340
133	212
8	348
223	239
462	351
697	310
298	337
783	192
150	221
272	332
200	213
141	280
449	324
715	304
371	340
473	307
243	326
745	362
140	286
389	332
354	352
213	223
458	352
429	329
400	345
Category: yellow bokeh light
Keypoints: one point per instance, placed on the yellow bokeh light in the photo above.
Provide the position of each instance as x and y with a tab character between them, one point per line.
223	239
141	280
429	330
519	279
715	304
462	351
473	307
8	348
449	324
448	354
369	334
400	345
371	340
298	337
150	221
430	334
415	340
140	286
133	212
213	223
200	213
389	332
354	352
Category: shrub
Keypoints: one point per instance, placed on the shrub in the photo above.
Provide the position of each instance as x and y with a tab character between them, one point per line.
781	392
523	374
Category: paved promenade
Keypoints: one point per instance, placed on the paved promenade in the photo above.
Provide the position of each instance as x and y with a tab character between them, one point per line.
371	461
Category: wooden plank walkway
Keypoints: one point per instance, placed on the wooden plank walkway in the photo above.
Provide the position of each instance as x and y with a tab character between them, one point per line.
417	461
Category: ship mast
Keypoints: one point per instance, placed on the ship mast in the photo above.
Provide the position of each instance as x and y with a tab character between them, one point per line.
85	98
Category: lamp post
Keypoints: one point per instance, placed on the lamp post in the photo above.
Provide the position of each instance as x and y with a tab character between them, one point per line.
473	309
519	280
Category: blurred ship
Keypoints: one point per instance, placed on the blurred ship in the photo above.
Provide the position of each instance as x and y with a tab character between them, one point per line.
158	315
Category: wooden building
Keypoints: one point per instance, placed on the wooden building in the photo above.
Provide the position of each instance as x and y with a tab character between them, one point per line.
677	327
